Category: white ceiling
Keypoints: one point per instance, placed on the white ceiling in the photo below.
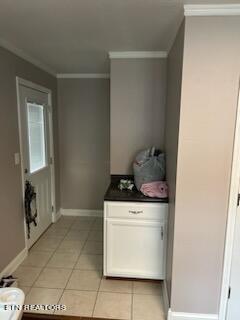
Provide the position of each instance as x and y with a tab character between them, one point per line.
75	36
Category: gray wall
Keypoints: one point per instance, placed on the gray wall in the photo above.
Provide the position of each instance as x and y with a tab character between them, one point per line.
84	142
138	89
11	213
174	85
207	122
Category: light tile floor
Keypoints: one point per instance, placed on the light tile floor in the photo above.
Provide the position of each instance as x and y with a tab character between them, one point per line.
65	267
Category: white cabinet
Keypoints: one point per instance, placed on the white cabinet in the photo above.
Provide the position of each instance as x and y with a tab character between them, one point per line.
135	239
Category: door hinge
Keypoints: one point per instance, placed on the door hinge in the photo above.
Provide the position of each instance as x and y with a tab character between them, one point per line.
51	160
52	208
229	292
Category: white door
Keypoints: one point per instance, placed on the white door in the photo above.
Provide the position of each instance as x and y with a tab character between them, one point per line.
35	137
233	308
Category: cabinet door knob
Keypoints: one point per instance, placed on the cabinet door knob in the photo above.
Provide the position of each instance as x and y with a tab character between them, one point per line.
135	212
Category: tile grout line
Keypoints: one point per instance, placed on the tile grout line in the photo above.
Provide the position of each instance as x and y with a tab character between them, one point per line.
97	292
94	306
51	254
76	269
131	316
92	228
54	251
65	288
32	287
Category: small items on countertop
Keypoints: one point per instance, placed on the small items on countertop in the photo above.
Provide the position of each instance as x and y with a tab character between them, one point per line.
113	192
156	189
126	184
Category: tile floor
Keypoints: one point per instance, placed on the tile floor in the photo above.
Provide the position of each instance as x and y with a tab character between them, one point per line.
65	267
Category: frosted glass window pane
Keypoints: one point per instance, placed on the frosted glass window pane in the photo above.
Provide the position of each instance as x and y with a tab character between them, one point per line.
36	137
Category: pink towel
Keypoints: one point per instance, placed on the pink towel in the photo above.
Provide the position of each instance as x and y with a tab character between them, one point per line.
156	189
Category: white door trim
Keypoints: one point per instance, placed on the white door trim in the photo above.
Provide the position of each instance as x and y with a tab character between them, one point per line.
232	205
29	84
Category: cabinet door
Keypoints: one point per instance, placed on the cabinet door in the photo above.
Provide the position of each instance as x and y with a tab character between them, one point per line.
135	249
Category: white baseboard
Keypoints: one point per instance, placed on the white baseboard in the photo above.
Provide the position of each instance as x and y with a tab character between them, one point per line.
14	264
172	315
81	212
166	304
56	216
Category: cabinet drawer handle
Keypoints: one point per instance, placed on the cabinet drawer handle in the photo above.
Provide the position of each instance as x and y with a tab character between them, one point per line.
135	212
162	232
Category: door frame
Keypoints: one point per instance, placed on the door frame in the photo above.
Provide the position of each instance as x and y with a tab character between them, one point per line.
34	86
231	218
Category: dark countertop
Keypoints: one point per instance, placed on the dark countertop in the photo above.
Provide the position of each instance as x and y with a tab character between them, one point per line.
115	194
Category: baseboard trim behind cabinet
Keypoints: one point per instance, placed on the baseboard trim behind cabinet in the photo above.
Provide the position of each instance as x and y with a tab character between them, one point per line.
81	212
172	315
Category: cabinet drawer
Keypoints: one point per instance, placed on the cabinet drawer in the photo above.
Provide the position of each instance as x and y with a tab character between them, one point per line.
136	210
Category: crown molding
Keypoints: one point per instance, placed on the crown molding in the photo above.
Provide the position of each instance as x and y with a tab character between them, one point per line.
20	53
83	76
137	54
211	10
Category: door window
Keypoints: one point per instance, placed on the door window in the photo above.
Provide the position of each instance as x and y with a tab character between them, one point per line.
36	136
